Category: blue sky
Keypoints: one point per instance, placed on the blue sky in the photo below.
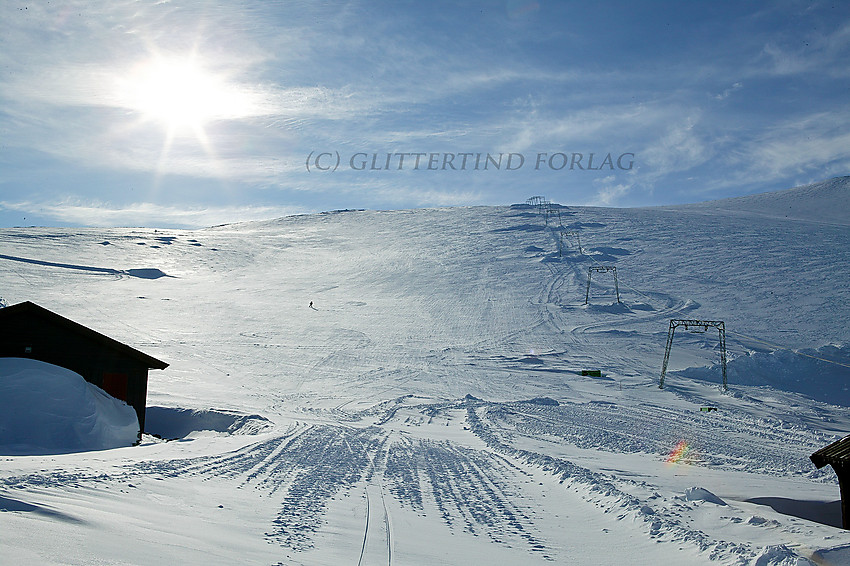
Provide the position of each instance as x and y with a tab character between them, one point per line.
188	114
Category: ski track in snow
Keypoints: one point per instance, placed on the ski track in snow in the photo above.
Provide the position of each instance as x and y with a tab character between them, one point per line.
760	446
470	490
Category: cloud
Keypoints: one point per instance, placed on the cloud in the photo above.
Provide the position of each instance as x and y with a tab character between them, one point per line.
816	141
681	148
610	192
76	212
725	94
417	196
823	52
78	100
796	150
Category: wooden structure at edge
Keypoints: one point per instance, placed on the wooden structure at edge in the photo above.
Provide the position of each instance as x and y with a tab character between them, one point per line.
30	331
837	455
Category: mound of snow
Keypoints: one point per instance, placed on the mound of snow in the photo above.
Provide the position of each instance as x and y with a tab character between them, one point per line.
543	401
613	308
810	372
147	273
702	494
835	555
46	409
780	555
175	422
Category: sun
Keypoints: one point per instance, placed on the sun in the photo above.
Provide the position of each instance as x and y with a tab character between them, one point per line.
184	97
187	99
181	94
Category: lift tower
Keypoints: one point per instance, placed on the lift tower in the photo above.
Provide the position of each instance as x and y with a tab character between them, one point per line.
602	269
695	326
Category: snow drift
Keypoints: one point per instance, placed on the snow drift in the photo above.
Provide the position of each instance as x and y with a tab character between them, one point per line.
175	422
819	373
46	409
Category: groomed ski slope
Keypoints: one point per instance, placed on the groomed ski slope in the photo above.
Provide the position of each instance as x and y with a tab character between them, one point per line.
430	407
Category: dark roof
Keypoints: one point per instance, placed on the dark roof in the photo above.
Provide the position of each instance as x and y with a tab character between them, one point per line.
836	453
28	307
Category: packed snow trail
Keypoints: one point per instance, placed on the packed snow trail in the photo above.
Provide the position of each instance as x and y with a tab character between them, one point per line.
377	519
474	492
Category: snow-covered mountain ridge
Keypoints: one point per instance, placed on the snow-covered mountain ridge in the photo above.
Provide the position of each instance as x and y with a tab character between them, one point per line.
825	201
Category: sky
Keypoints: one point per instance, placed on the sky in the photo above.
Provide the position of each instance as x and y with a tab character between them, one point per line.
191	114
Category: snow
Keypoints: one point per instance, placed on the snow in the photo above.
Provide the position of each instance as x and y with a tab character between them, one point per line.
702	494
175	422
46	409
836	555
431	409
822	202
820	373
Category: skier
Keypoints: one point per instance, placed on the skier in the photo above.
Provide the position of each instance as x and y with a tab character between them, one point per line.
311	304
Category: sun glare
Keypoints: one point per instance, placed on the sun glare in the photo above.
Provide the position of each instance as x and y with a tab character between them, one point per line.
181	94
183	97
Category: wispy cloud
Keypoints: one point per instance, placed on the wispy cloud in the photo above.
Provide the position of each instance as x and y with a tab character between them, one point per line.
146	214
83	109
809	53
610	191
680	148
799	145
414	195
727	92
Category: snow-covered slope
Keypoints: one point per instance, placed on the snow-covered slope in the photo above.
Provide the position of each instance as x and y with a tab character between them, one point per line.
430	406
822	202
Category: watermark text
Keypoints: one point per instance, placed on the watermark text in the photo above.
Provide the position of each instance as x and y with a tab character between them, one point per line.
469	161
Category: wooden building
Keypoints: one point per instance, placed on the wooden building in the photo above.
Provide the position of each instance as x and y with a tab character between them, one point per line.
30	331
837	455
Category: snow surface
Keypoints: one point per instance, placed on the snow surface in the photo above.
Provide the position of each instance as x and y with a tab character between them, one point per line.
430	407
46	409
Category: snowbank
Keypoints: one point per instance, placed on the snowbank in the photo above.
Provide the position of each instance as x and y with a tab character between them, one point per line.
780	555
835	555
175	422
46	409
809	371
702	494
